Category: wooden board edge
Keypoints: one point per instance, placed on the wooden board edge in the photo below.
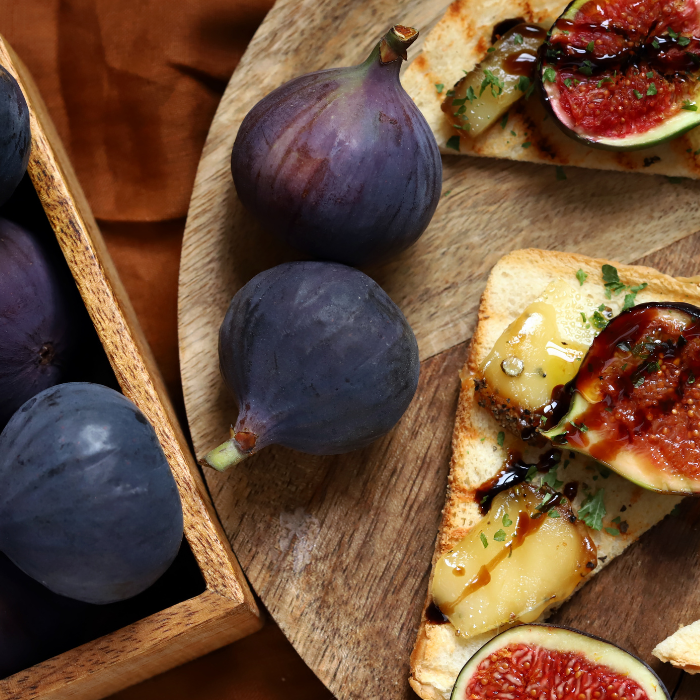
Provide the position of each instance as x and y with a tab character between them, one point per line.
137	652
117	326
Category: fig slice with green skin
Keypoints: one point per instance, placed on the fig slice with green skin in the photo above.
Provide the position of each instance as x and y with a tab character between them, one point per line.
544	661
623	75
635	402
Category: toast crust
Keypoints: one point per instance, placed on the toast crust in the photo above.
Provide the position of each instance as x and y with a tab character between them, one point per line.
515	281
682	649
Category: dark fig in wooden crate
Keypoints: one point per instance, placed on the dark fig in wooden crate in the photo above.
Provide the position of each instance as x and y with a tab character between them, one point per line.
36	327
15	135
88	504
341	163
319	358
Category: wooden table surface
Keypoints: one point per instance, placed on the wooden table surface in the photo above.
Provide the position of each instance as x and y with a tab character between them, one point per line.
339	548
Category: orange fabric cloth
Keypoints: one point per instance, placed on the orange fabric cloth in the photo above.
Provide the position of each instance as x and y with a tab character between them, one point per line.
132	86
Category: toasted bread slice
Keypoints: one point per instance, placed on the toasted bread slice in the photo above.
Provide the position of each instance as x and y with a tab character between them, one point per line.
479	451
460	41
681	649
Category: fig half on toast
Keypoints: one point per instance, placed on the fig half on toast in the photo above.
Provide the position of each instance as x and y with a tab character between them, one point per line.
635	403
544	661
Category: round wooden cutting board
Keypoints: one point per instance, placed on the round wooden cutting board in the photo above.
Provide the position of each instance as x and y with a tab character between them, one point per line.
339	548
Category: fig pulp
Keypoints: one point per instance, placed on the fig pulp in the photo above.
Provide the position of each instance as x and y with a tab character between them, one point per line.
88	504
542	662
36	329
635	401
319	359
622	74
15	135
341	163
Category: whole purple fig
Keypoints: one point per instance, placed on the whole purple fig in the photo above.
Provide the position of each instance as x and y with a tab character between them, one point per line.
341	163
36	328
15	135
319	359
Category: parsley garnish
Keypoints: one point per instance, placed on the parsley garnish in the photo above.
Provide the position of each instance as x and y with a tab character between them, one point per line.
485	542
471	96
604	80
493	81
598	320
527	144
525	86
501	437
638	381
650	74
518	38
583	317
581	426
683	41
567	82
612	531
655	43
651	90
450	93
507	522
547	498
550	75
592	510
691	378
531	473
637	94
581	276
550	478
672	34
504	121
453	142
491	50
586	68
457	103
554	513
439	87
561	175
611	279
499	536
689	106
590	46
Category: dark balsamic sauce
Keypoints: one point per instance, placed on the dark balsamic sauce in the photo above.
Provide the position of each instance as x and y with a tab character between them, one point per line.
504	26
521	63
571	489
435	615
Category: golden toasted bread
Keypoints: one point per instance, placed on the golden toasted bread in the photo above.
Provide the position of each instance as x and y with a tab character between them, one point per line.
480	445
681	649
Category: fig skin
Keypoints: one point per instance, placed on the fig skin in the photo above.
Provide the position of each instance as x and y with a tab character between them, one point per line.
319	359
15	135
88	504
340	163
36	326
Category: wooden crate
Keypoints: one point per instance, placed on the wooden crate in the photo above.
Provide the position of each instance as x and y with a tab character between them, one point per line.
226	610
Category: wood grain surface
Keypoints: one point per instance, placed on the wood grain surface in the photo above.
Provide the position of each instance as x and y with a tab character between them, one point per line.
227	609
339	548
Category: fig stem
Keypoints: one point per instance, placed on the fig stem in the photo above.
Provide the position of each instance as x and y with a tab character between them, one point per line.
394	43
225	455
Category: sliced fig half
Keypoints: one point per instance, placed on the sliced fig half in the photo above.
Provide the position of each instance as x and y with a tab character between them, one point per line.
635	402
542	661
623	74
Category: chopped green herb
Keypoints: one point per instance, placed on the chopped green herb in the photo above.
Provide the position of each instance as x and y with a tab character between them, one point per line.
592	510
561	175
550	478
550	75
567	82
590	47
650	74
586	68
461	110
581	276
501	437
651	90
581	426
507	522
617	520
482	439
457	103
525	86
611	279
598	320
450	93
612	531
683	41
499	536
491	50
604	80
513	133
471	95
689	106
691	378
439	87
583	317
484	499
504	121
518	38
531	473
696	152
527	144
637	94
638	381
653	367
672	34
485	542
446	194
554	513
493	81
655	44
547	498
453	142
